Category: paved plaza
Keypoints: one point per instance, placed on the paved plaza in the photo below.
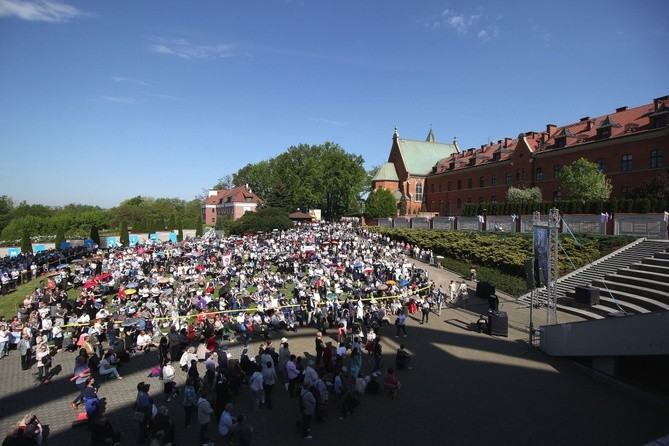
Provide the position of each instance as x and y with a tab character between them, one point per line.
465	388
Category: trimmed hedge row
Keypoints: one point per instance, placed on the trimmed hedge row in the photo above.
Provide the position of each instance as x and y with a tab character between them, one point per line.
506	252
625	205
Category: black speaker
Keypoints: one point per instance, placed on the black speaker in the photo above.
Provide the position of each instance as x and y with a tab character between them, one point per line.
493	303
485	289
498	323
587	295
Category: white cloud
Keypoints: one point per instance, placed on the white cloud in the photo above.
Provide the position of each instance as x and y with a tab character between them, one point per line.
328	121
459	22
129	79
122	99
186	50
39	11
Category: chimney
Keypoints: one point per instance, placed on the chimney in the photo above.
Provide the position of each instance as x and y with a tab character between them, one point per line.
506	142
658	101
455	143
550	129
591	125
585	118
621	109
483	146
492	143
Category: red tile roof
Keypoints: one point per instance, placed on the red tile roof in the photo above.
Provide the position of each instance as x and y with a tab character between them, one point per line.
238	194
621	123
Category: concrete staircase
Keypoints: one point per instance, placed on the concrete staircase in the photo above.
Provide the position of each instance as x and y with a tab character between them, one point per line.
633	280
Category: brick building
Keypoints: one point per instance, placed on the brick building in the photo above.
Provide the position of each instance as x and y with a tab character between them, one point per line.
234	202
629	146
409	164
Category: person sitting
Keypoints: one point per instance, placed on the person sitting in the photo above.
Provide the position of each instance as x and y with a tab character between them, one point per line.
391	383
402	358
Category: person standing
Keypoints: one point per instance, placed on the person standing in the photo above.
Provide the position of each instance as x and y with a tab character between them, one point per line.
226	423
168	379
268	381
401	324
425	311
308	406
452	290
190	400
256	384
204	412
25	348
464	294
377	356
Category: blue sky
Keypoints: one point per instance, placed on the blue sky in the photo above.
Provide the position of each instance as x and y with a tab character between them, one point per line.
103	101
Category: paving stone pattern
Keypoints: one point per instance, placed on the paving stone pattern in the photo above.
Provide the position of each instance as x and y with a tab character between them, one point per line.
465	388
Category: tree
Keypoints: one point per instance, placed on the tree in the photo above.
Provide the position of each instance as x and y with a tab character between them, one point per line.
583	181
198	227
26	244
95	235
60	237
266	219
657	188
180	234
173	223
381	203
124	238
225	182
516	195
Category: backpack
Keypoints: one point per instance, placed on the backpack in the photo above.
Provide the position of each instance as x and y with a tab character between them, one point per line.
46	360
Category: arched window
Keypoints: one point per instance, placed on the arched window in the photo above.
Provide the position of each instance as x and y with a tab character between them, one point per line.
419	192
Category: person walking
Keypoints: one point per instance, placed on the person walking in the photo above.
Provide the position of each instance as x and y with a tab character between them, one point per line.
452	290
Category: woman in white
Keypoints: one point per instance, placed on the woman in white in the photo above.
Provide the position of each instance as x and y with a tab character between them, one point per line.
144	342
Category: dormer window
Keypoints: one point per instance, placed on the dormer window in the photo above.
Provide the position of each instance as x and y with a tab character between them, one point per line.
496	156
561	138
659	116
472	161
604	130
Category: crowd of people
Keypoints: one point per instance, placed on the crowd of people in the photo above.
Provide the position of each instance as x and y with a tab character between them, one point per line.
189	301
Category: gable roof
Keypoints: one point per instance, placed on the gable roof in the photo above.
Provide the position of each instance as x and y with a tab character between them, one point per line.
238	194
420	156
386	172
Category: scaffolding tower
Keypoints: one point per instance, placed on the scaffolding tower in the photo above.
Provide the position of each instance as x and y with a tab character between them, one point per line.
552	228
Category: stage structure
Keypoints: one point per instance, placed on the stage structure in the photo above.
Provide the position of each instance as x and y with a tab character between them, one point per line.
545	266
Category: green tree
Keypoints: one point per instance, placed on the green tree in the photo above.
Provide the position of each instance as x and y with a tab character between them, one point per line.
173	222
266	219
656	188
198	227
60	237
124	238
583	181
225	182
6	208
381	203
180	234
95	234
516	195
26	244
260	177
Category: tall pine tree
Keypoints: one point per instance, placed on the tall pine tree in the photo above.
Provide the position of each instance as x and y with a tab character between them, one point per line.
60	237
124	238
95	235
26	244
198	228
